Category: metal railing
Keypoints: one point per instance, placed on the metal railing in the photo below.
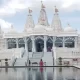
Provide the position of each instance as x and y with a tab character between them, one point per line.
26	63
23	53
14	62
52	56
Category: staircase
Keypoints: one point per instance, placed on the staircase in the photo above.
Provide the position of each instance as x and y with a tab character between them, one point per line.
36	57
48	58
21	61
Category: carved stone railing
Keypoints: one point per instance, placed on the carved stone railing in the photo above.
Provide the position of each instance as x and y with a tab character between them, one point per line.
14	62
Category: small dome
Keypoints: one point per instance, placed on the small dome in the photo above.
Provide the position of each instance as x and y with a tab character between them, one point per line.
39	28
69	29
49	29
29	30
12	30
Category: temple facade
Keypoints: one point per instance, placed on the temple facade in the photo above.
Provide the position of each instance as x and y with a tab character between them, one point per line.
41	37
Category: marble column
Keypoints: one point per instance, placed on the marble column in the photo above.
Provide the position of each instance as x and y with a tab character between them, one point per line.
17	43
45	40
26	45
54	38
75	44
54	54
6	44
33	44
63	42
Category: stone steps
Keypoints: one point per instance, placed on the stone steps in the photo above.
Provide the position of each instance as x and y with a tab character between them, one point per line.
20	62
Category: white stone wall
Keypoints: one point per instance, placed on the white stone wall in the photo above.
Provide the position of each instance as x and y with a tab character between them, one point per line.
9	54
68	54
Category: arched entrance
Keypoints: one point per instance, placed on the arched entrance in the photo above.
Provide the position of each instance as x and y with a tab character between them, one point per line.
29	43
49	45
39	43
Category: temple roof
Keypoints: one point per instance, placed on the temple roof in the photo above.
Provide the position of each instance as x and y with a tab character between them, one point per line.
43	17
29	23
12	30
43	27
56	22
69	29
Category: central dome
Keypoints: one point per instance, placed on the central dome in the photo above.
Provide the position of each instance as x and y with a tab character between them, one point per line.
40	29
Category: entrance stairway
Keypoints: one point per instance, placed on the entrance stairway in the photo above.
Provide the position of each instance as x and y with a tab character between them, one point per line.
21	61
48	58
36	57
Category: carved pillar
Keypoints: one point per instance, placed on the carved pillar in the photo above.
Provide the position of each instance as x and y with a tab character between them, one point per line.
63	42
33	44
17	43
45	47
26	45
54	41
76	39
6	44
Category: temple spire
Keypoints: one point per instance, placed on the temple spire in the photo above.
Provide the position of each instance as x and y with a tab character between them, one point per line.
43	17
29	22
56	22
56	10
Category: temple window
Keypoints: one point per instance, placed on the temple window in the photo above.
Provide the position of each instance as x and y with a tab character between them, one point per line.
69	42
59	42
11	43
21	43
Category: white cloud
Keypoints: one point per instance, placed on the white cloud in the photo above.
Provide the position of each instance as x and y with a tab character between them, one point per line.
12	6
68	3
4	24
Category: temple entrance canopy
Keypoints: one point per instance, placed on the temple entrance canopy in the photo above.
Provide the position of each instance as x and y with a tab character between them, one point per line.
39	43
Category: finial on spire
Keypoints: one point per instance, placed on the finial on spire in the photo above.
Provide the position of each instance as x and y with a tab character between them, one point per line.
56	10
42	4
41	1
30	11
68	24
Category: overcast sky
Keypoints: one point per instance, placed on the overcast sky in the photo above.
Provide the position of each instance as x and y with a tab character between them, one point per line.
15	12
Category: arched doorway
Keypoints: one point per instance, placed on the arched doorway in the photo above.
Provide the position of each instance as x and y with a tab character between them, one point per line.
39	43
29	42
49	45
